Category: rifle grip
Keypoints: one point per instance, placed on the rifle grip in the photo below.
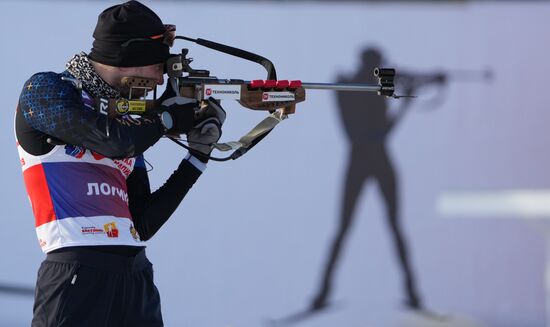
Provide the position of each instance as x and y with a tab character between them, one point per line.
188	91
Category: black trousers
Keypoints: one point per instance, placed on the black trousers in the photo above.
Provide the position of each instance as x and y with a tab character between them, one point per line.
83	287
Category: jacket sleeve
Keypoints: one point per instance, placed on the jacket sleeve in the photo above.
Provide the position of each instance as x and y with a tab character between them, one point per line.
151	210
55	107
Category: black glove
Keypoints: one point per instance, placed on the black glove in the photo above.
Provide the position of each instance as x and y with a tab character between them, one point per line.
180	119
207	129
181	110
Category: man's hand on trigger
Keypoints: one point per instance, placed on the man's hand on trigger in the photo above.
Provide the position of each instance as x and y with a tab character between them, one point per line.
181	110
207	129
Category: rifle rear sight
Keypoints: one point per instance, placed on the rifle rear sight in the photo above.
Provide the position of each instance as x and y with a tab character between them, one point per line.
178	64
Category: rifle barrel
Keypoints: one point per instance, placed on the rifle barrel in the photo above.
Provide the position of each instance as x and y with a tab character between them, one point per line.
342	87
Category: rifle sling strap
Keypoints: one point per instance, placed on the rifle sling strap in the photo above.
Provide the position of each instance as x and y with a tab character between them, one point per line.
253	137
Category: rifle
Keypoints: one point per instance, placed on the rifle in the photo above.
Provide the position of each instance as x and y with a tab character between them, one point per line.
278	97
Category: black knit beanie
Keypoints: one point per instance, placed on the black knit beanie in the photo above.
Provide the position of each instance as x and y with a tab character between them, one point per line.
129	35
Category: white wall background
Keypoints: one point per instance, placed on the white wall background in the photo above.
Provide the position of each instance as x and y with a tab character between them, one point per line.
250	239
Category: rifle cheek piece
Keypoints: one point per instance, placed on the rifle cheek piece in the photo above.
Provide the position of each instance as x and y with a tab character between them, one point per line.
134	91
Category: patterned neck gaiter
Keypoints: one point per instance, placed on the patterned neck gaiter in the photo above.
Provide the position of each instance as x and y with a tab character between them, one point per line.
81	68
